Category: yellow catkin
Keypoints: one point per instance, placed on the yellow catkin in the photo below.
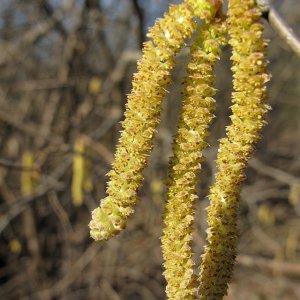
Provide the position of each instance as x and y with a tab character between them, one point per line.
78	172
94	86
197	113
142	115
248	110
27	180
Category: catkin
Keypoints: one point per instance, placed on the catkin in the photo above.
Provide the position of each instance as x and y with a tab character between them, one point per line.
81	175
247	120
142	115
197	113
27	179
78	172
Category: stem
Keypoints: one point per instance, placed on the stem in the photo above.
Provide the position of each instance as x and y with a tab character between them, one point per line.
280	26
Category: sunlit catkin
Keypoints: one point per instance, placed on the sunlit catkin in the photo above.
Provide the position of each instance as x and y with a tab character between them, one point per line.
247	119
142	115
197	113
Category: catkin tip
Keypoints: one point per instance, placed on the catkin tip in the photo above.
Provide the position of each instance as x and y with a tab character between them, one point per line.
104	226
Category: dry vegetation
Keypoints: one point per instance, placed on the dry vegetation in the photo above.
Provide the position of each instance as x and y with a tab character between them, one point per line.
65	70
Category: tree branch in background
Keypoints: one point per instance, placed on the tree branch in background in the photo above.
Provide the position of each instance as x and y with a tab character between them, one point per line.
49	12
280	26
141	17
10	164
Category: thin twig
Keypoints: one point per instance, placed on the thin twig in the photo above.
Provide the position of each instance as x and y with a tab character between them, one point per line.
286	32
275	173
81	263
50	183
11	165
280	26
286	268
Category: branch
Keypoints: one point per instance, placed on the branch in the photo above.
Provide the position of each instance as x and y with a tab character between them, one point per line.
286	268
49	183
16	50
49	11
280	26
9	164
141	18
275	173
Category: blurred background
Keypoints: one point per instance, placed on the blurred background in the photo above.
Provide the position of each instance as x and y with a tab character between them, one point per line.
65	69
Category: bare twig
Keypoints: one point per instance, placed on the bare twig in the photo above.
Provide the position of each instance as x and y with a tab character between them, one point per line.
44	84
280	26
285	268
50	183
141	17
12	51
61	214
12	118
81	263
284	31
272	172
49	11
12	165
100	149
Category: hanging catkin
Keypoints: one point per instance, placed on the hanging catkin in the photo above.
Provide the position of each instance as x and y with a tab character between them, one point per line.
248	111
197	113
142	114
